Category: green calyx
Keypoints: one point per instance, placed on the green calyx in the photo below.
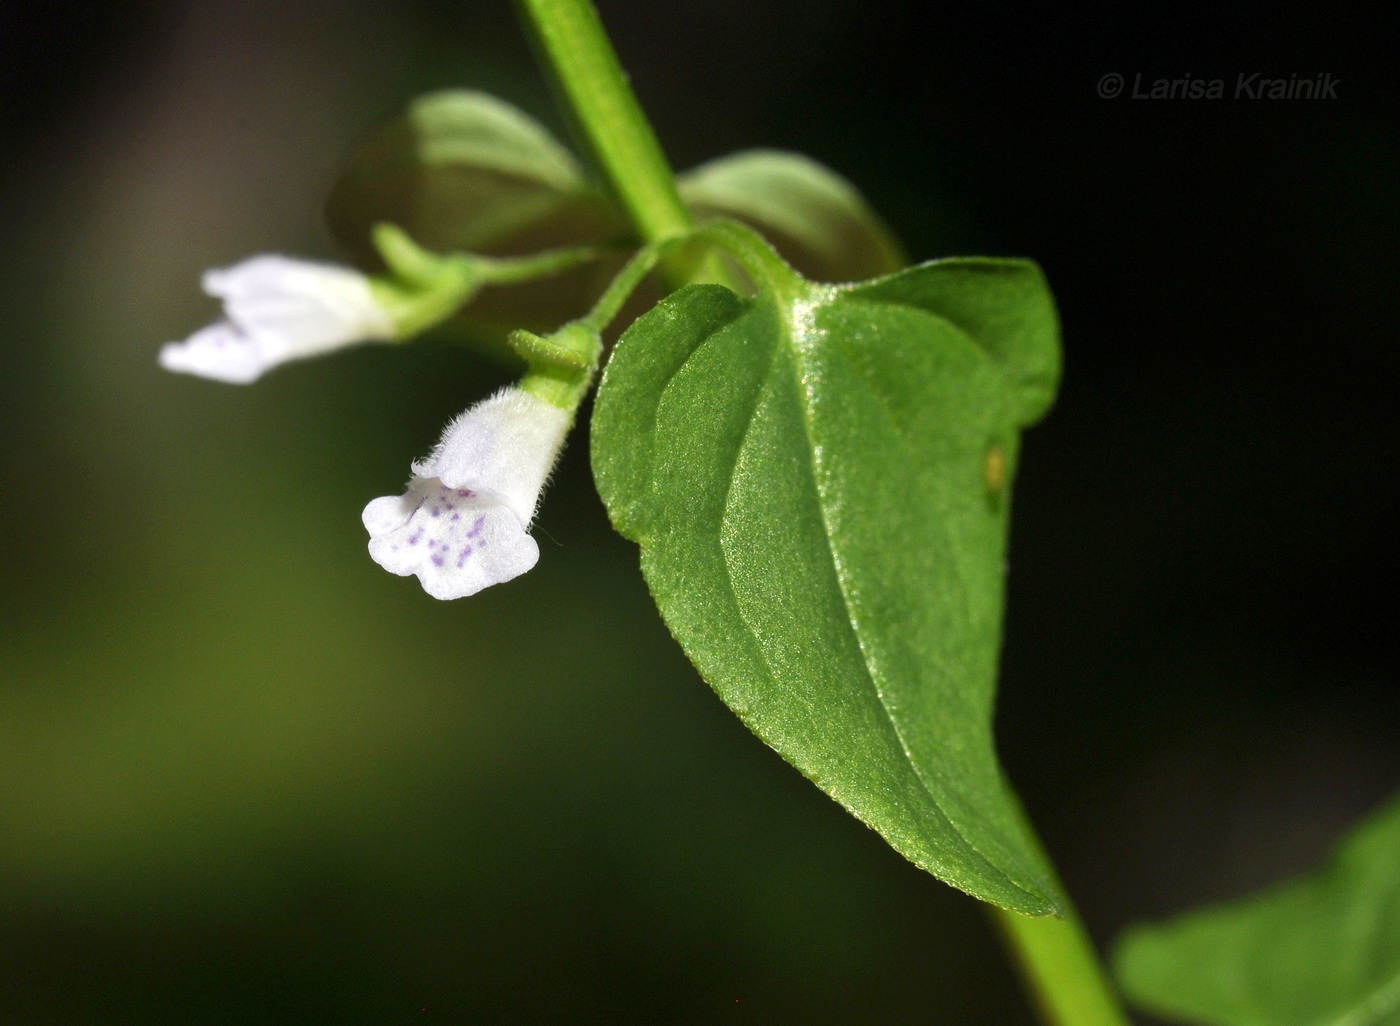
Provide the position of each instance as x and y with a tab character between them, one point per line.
561	364
422	289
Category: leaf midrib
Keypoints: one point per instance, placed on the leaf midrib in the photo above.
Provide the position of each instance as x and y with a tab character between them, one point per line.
794	351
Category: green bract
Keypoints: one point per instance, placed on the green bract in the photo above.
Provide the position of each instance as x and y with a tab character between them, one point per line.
817	477
814	217
1323	950
463	171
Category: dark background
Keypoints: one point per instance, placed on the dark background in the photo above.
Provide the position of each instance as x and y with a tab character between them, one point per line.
245	776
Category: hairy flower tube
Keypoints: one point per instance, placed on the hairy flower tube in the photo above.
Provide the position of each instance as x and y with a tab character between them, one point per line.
278	309
463	524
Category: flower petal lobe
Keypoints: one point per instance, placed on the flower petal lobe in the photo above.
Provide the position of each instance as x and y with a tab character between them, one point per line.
455	540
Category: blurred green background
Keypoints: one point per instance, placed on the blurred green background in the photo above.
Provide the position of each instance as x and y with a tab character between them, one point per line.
248	777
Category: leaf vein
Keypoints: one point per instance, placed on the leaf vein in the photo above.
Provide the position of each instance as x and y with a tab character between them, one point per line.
799	368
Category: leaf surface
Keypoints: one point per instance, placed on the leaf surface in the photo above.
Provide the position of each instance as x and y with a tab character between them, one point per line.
817	219
818	479
463	171
1321	950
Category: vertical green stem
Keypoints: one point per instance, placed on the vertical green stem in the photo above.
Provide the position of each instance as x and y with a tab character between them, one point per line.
1060	968
1056	959
576	51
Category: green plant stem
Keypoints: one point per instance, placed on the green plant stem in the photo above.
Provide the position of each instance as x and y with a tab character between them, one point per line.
755	255
1057	961
515	270
576	52
617	293
1060	968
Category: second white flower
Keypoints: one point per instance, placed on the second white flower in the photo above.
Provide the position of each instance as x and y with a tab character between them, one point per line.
278	309
463	524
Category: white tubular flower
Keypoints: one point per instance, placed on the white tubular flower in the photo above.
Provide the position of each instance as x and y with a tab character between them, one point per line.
462	524
278	309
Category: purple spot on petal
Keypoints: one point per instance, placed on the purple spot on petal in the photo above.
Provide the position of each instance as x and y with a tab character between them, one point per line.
456	516
476	527
438	560
416	537
465	493
462	557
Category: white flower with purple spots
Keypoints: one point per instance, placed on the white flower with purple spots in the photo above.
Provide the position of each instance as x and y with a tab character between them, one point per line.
278	309
463	524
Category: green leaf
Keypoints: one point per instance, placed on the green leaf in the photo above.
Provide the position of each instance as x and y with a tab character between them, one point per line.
817	477
461	170
464	171
1322	950
814	217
